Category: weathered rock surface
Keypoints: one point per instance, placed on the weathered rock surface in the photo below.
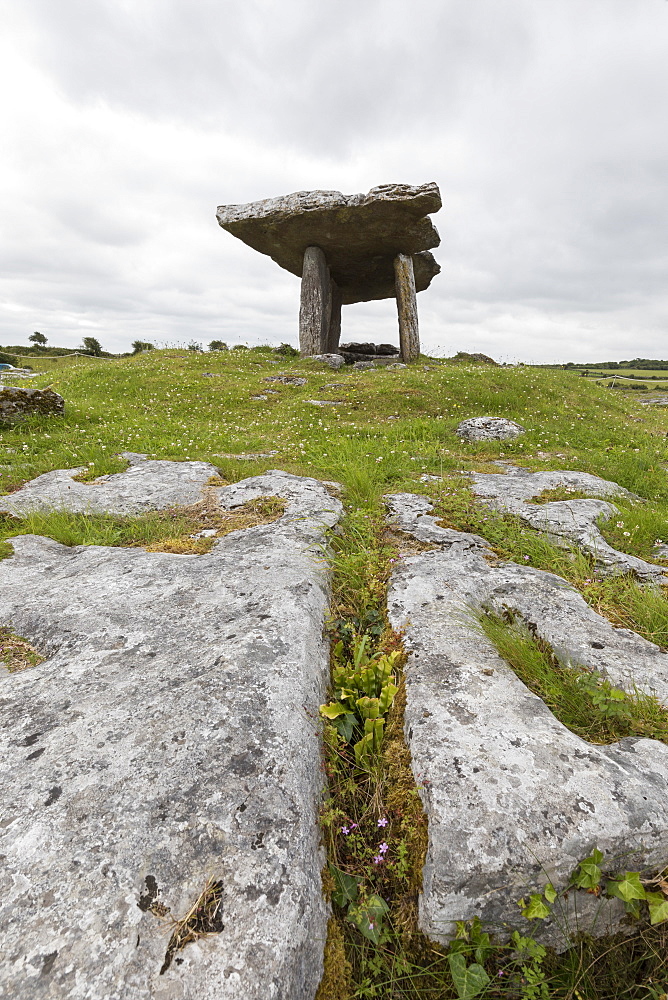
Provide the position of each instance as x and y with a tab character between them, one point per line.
565	521
19	402
146	485
513	798
285	379
170	738
488	429
360	234
331	360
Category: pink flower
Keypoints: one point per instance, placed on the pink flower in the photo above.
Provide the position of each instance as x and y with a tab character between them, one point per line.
382	822
383	848
345	829
378	859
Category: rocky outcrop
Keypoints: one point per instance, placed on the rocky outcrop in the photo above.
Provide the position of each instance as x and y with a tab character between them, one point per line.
360	234
488	429
513	798
565	521
169	742
19	402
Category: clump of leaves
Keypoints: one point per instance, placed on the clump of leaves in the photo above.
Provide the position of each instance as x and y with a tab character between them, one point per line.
364	689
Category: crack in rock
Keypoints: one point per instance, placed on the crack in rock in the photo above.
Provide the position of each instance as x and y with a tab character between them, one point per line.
513	798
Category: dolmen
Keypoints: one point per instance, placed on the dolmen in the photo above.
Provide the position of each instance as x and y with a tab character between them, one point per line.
346	248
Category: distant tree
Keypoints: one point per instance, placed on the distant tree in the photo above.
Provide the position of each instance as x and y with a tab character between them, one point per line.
141	345
37	338
194	346
217	345
92	346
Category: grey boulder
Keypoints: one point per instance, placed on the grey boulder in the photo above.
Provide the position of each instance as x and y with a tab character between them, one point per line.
19	402
488	429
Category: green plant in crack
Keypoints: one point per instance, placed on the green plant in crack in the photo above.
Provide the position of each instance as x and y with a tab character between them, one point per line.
364	689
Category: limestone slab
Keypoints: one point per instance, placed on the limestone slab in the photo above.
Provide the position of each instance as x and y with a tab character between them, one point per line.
360	234
145	485
513	798
170	738
565	521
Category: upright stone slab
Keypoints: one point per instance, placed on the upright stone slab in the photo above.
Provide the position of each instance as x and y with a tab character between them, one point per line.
171	738
334	333
409	335
316	303
513	798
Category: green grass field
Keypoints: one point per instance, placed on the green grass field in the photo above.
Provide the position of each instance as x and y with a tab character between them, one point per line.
387	429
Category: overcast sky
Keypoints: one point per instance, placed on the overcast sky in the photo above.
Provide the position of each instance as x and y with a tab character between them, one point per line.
544	123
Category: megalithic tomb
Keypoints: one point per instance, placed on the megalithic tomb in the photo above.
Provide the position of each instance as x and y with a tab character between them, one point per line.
347	248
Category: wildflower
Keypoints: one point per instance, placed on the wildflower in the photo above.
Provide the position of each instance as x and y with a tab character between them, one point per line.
345	829
382	822
383	848
378	859
620	524
628	534
526	558
370	926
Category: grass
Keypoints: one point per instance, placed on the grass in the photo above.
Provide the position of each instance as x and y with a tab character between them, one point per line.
16	653
391	428
157	531
585	702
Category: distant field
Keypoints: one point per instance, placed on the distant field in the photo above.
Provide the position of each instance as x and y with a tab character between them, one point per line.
63	363
643	373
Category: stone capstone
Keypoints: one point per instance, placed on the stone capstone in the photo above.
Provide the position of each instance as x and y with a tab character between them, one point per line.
488	429
145	485
565	521
360	234
170	738
19	402
513	798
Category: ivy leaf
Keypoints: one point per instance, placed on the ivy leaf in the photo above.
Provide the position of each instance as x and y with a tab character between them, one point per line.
346	886
658	907
469	981
550	893
587	875
627	888
536	910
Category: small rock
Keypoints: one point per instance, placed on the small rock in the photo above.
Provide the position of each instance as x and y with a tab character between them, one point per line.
325	402
397	364
259	397
251	456
332	360
426	478
285	379
18	402
205	533
488	429
363	366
